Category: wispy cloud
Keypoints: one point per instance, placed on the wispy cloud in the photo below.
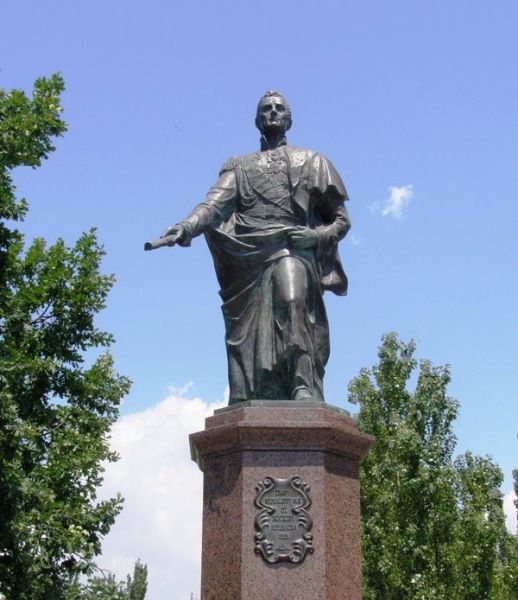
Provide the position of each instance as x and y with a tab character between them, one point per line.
161	519
399	198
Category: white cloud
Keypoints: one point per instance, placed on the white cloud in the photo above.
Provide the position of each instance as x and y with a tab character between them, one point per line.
510	512
399	198
161	519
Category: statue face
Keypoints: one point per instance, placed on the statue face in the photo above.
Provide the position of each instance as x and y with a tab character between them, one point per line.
272	115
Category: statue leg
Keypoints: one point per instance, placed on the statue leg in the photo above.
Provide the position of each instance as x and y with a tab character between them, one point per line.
290	288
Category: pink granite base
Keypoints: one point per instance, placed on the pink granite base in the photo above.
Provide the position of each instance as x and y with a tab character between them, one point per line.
240	447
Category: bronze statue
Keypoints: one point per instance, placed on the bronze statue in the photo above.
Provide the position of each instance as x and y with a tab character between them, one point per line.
272	222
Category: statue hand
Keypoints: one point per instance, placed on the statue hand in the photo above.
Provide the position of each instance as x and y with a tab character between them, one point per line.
177	232
302	237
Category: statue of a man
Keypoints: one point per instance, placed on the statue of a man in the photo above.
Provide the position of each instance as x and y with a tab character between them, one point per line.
272	222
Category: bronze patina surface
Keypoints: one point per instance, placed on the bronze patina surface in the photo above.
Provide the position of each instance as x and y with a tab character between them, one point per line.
273	221
283	523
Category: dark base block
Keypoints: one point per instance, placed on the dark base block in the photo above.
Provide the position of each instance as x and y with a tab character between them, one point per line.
248	442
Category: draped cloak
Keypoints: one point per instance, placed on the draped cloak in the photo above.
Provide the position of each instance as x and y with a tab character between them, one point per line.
246	217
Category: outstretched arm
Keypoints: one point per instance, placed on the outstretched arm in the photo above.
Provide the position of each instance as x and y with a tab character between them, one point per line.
217	207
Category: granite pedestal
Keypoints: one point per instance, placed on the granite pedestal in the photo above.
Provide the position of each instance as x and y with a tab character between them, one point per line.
248	442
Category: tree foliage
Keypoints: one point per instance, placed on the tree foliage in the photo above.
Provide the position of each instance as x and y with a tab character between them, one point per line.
433	527
59	392
106	587
27	126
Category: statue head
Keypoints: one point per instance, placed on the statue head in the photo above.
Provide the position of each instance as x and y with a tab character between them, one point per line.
273	113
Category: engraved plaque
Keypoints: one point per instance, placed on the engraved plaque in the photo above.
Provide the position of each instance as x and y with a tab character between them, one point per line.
283	524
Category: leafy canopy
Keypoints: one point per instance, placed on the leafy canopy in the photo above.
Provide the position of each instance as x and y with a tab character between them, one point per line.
59	392
105	587
433	526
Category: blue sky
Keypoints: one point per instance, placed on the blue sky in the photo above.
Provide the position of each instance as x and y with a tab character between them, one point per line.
396	94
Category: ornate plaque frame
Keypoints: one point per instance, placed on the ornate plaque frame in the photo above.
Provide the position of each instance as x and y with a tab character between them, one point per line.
283	525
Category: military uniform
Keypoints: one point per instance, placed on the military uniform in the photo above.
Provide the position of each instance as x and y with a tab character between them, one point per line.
246	217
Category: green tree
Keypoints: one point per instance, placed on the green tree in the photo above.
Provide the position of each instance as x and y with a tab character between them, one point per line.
56	407
484	546
433	527
106	587
137	586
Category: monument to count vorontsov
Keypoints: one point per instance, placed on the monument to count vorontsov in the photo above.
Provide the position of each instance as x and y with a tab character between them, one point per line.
273	221
281	492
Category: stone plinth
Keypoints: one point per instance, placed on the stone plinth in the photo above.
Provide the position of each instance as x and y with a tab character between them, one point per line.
248	442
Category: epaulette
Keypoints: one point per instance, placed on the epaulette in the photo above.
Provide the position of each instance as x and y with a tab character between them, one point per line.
231	163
